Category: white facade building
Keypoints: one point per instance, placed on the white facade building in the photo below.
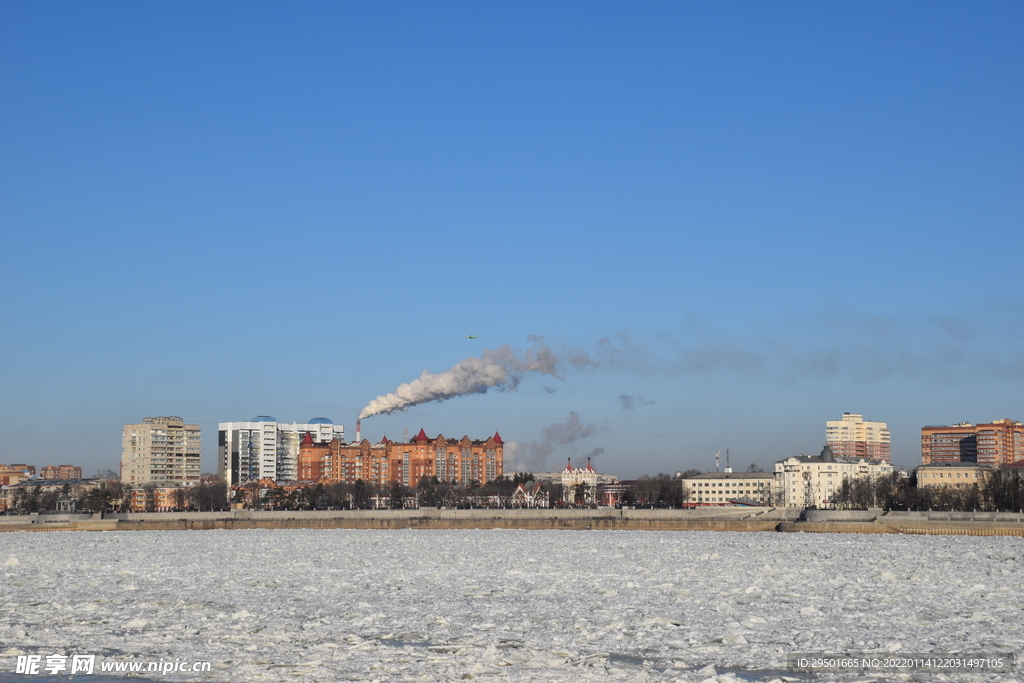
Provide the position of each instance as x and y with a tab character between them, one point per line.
264	447
720	488
573	477
160	450
806	481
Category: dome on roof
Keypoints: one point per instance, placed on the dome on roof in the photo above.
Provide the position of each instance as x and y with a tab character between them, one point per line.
263	418
320	421
827	455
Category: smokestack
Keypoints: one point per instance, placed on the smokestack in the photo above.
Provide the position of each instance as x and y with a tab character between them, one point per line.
359	429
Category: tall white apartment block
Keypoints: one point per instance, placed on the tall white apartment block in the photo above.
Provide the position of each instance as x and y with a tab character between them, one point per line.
160	450
855	437
264	447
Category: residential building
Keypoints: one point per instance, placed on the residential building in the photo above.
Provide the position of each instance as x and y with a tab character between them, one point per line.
579	484
854	437
61	472
157	499
264	448
529	494
956	475
814	480
163	451
992	444
459	461
722	488
12	474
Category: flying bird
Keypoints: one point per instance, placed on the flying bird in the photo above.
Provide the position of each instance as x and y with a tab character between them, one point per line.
472	336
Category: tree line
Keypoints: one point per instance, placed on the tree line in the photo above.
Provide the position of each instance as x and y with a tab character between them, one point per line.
29	499
1001	490
428	492
659	491
113	496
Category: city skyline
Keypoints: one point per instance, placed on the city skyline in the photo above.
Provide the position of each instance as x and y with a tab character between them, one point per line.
727	224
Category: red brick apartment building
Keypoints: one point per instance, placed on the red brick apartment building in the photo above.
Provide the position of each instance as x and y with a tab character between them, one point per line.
61	472
997	443
459	461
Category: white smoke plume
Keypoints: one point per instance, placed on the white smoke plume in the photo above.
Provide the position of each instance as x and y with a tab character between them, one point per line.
534	456
501	368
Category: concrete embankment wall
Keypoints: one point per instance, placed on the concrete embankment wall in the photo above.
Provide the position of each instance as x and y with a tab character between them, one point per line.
719	519
879	522
723	519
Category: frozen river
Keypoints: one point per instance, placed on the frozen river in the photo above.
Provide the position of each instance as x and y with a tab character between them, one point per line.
418	605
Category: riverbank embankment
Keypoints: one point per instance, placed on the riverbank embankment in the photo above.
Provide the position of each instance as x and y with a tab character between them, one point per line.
716	519
724	519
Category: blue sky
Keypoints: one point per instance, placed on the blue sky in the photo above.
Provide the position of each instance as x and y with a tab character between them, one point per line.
754	216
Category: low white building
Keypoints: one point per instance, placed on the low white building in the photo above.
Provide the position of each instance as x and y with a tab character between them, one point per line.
805	481
954	475
721	488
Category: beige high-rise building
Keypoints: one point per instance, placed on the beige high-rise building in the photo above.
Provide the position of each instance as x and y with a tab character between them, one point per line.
855	437
162	451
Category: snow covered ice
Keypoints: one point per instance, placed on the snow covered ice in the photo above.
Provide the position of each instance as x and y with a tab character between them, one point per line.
418	605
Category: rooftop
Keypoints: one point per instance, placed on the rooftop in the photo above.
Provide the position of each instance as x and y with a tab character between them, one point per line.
733	475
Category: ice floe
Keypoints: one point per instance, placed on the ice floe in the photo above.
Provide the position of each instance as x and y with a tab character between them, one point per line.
508	605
